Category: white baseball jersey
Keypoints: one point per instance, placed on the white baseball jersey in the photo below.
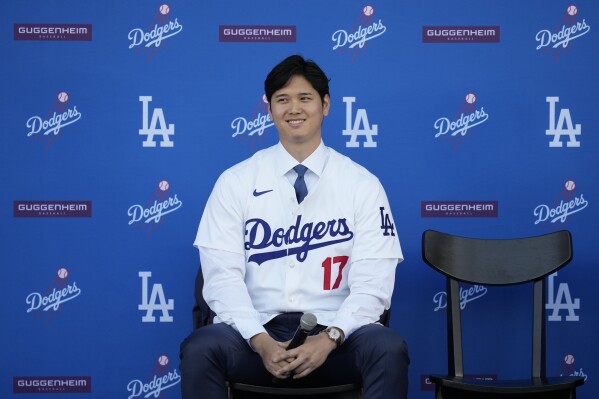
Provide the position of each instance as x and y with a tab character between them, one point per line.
333	255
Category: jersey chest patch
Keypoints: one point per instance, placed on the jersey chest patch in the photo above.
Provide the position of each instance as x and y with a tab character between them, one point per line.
266	242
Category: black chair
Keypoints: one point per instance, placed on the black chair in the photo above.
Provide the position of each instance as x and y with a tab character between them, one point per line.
203	315
499	263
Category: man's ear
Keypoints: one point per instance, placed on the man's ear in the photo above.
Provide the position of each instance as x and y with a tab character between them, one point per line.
326	104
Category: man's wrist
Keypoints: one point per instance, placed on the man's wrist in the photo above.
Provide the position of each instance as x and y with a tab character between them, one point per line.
330	345
335	335
257	340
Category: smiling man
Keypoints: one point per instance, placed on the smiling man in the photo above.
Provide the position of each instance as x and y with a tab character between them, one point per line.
297	228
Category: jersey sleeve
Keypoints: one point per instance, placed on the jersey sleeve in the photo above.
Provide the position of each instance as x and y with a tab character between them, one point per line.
221	226
220	241
226	293
376	233
375	255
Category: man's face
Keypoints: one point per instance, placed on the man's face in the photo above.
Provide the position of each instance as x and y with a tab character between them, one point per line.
297	111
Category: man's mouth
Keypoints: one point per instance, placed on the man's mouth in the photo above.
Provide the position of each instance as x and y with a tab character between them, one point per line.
296	122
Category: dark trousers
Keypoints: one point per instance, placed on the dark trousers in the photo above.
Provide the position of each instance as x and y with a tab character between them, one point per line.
374	355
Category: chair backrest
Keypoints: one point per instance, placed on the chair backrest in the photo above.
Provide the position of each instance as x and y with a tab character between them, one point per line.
496	262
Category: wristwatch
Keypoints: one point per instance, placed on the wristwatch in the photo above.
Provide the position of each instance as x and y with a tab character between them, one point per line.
334	335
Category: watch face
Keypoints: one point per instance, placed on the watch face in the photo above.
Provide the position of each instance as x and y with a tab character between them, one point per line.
334	334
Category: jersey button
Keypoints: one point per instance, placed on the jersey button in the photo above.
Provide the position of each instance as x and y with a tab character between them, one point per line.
292	265
291	299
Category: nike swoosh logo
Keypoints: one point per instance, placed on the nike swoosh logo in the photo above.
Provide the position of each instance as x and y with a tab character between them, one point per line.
259	193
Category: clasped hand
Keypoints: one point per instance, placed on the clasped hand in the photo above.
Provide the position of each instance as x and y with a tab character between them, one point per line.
298	362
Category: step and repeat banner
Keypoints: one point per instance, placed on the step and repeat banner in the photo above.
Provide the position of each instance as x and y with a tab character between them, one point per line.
479	118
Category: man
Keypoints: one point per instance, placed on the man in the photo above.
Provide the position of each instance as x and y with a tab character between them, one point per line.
296	228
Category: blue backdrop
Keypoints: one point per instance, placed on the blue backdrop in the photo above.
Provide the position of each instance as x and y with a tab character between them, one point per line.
479	118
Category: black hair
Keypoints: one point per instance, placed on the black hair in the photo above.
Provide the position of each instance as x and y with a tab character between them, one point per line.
293	66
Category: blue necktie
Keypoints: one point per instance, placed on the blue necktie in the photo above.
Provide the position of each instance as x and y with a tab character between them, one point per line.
300	185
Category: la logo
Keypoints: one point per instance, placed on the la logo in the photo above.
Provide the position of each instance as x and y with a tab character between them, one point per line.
157	301
558	130
561	301
354	130
156	127
386	225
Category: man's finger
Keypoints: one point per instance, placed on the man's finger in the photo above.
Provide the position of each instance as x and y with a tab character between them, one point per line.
284	345
302	374
283	356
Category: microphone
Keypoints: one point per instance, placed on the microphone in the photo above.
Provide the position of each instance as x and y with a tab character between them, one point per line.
307	324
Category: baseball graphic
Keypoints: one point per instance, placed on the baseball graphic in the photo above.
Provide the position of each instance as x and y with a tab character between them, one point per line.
572	10
470	98
570	185
63	97
163	360
62	273
368	11
164	9
264	99
163	185
569	359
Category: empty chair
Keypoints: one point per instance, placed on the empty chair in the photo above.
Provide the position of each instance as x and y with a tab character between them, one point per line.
498	262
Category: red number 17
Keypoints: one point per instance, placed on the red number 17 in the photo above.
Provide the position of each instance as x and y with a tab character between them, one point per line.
328	266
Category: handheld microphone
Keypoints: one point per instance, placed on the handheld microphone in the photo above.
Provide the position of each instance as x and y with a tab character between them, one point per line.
307	324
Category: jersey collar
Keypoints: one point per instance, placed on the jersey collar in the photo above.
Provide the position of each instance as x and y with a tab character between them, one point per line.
316	162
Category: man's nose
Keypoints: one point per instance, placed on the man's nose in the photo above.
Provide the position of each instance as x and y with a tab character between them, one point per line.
295	106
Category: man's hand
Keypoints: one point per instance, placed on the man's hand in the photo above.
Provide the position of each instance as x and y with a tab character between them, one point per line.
305	358
273	354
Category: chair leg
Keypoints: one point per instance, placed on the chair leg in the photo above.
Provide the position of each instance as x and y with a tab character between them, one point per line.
438	393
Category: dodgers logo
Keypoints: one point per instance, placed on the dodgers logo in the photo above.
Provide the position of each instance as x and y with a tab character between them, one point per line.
466	118
60	291
254	127
356	39
567	204
466	295
50	127
156	301
563	127
386	224
161	29
159	380
309	236
156	127
359	127
160	204
569	28
561	300
568	368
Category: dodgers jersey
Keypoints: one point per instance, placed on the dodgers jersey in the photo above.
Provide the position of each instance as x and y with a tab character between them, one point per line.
339	243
